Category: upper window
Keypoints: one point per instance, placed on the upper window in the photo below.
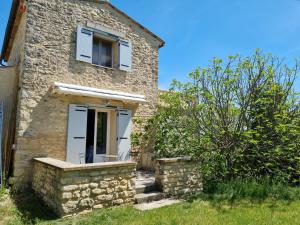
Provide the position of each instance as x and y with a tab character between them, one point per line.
103	49
102	52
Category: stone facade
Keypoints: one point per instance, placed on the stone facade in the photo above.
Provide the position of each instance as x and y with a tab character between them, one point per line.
71	189
178	177
48	49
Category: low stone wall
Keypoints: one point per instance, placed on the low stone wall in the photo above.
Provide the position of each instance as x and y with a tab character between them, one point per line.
178	177
71	189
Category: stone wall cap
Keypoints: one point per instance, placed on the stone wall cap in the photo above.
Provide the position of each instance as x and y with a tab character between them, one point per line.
173	160
66	166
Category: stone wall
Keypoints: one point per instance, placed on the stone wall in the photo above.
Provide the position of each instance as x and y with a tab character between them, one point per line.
49	56
46	182
178	176
71	189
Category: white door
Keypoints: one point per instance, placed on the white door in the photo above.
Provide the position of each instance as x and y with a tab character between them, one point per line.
77	125
102	136
124	126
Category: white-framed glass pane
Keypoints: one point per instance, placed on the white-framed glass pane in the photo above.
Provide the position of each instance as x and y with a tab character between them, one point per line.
106	54
102	52
101	139
96	47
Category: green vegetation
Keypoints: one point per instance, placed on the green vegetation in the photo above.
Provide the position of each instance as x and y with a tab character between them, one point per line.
3	192
239	118
213	210
23	208
255	191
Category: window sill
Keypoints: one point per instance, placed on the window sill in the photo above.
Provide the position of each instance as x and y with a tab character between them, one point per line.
105	67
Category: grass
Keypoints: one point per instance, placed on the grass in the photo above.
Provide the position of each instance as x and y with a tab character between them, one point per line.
254	190
231	203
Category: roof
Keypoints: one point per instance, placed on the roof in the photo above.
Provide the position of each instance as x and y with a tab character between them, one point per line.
9	30
13	23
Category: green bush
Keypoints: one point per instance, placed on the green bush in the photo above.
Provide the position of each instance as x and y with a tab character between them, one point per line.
240	119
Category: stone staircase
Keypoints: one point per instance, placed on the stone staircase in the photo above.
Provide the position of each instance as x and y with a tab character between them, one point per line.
147	194
146	189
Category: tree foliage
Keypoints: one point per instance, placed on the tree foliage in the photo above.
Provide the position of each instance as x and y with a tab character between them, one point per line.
239	118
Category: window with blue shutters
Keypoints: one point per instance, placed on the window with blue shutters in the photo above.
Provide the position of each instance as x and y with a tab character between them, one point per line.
103	49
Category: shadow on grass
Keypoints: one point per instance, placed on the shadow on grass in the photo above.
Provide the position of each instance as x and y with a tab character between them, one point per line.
31	208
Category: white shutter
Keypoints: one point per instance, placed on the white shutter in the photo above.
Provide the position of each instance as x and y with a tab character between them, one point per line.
77	125
124	125
125	53
84	51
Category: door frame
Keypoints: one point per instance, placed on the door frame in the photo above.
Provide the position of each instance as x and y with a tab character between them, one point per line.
108	111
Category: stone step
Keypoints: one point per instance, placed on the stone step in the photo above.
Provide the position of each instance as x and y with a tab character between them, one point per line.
145	187
156	204
148	197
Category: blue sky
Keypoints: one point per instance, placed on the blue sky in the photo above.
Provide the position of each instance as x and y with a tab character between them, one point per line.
196	31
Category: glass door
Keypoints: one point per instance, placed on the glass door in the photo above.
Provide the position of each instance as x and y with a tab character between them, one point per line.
101	136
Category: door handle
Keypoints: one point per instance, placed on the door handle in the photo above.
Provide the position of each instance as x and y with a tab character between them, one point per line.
123	138
79	137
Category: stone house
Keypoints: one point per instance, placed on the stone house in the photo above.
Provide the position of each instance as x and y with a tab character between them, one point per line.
78	73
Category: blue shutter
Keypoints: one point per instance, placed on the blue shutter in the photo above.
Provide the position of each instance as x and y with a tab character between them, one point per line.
124	128
125	53
77	126
84	49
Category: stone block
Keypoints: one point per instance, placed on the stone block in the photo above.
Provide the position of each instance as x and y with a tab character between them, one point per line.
99	206
86	202
93	185
98	191
85	193
70	188
105	197
67	195
104	184
118	202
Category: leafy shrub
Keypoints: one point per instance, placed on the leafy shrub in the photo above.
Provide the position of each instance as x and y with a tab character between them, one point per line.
240	119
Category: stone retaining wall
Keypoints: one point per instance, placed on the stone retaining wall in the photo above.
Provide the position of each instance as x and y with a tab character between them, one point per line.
178	176
71	189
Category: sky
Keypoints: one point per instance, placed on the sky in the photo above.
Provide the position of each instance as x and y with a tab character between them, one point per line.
195	31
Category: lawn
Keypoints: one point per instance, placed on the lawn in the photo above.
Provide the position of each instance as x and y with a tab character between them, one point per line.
28	210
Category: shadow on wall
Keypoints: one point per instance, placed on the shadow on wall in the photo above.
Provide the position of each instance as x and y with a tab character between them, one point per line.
31	208
43	135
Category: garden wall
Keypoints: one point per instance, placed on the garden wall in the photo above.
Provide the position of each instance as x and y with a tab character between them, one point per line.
178	176
71	189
